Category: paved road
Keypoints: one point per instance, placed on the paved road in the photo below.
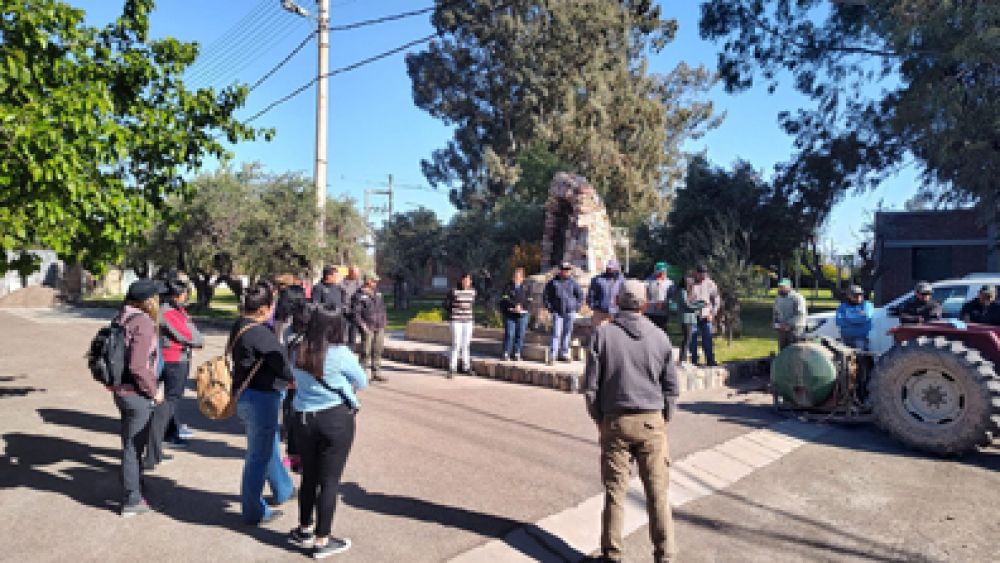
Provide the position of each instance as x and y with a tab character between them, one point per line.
441	467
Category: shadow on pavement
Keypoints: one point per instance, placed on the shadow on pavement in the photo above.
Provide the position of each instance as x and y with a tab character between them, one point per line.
17	391
108	425
94	482
517	422
853	545
487	525
859	437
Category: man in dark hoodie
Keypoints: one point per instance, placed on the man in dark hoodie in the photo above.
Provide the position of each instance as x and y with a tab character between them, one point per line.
631	392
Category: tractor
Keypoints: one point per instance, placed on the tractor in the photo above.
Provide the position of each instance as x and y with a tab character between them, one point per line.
936	390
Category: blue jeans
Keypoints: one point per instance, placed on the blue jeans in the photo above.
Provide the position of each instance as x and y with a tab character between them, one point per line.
259	412
514	329
562	333
704	330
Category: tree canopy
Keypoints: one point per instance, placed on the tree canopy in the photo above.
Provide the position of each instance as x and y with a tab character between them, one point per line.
892	81
204	238
566	77
97	129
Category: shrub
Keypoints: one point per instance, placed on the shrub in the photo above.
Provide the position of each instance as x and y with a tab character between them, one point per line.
433	315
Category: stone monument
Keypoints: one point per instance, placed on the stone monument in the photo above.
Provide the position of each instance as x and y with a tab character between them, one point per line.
577	228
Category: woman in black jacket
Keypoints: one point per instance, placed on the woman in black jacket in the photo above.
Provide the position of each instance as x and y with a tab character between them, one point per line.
515	302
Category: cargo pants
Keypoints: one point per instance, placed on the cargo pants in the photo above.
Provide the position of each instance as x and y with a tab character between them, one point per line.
643	436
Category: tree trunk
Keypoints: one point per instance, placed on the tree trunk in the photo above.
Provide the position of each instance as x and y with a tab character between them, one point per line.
205	290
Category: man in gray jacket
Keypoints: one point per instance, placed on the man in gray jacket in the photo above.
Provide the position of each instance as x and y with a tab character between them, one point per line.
631	391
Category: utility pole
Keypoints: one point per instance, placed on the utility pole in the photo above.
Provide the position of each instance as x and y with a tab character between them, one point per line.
371	209
322	117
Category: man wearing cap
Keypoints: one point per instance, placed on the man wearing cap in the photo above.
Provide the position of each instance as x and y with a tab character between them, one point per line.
920	308
631	394
790	312
368	310
705	290
658	291
854	318
328	293
602	292
983	309
562	298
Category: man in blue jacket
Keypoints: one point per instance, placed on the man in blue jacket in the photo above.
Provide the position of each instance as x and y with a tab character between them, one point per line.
854	319
602	292
563	298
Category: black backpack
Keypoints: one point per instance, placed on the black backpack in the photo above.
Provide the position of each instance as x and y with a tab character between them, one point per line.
106	357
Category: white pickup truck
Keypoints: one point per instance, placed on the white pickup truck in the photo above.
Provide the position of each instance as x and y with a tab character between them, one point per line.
951	294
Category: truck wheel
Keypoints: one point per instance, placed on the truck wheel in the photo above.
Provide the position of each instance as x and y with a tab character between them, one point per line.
937	395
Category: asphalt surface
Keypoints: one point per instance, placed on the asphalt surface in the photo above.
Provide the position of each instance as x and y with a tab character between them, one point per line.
439	466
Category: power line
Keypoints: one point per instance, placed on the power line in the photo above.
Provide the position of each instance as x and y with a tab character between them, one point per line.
384	19
246	55
283	62
337	71
221	48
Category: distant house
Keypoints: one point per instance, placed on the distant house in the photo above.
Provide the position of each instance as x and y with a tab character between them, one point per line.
912	246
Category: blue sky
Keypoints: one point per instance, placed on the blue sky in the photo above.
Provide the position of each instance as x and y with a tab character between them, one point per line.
375	130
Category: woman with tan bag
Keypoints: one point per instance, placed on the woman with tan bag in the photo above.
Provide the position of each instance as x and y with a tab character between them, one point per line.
259	362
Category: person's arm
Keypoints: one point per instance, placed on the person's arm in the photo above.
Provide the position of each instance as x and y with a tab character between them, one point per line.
317	294
841	316
139	360
669	385
592	294
353	371
592	380
578	293
547	297
715	300
801	311
272	353
935	312
197	338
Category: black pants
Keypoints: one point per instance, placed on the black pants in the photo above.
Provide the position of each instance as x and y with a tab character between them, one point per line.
287	414
136	412
175	375
324	440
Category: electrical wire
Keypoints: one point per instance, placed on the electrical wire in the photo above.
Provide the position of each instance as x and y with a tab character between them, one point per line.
246	55
222	46
337	71
375	21
282	63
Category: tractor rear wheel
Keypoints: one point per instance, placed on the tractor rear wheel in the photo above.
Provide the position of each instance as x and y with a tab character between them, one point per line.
937	395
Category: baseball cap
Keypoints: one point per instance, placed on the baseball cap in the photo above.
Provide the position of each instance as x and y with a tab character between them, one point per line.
989	289
660	267
784	282
143	289
632	295
612	264
924	288
855	290
566	266
371	276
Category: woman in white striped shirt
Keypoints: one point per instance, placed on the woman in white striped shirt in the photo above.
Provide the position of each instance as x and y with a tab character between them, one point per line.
459	306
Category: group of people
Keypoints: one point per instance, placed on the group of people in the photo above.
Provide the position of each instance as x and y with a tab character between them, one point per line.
696	298
293	367
854	315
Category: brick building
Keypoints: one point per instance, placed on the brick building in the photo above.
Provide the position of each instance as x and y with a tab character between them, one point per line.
912	246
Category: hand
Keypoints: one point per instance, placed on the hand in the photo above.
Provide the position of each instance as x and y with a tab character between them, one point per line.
158	397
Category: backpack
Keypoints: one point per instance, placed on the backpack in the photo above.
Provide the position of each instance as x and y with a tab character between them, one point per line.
106	357
214	382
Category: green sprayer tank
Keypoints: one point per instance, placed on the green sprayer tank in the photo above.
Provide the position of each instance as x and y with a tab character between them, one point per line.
804	374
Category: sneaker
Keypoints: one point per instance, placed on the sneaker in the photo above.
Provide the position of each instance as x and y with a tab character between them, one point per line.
564	359
505	357
333	546
130	510
302	538
184	432
517	357
548	361
379	378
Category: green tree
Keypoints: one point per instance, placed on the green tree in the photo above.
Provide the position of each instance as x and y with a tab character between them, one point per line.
766	221
97	129
892	81
406	243
566	77
204	238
